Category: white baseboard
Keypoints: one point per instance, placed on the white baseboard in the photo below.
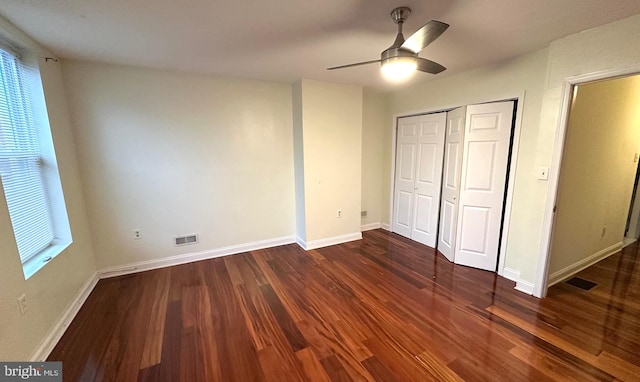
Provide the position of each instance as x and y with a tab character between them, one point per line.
524	287
301	242
56	332
572	269
521	285
385	226
314	244
370	226
511	274
193	256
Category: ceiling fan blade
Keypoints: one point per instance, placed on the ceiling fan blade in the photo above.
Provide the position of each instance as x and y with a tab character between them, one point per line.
425	36
429	66
356	64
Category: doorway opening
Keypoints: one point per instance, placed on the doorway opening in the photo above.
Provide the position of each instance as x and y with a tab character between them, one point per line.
596	164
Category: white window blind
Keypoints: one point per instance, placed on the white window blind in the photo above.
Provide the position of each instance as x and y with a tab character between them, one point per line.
20	162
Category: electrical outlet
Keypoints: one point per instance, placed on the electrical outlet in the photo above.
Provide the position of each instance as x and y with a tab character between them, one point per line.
22	304
137	234
339	213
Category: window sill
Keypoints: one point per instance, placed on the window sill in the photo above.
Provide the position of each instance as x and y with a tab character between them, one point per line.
36	263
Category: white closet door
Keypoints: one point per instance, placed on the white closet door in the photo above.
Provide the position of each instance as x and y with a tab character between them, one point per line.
484	169
451	182
403	194
430	154
419	156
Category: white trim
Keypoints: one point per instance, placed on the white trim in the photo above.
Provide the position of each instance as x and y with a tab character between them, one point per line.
521	285
370	226
301	242
56	332
524	287
540	285
508	202
392	183
193	256
572	269
511	274
313	244
385	227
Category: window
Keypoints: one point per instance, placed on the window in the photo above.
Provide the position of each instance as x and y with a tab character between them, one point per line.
28	170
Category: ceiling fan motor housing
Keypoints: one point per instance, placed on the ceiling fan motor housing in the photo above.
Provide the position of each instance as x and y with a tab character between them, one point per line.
400	14
394	52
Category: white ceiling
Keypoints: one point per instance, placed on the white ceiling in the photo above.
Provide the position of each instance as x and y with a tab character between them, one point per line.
283	40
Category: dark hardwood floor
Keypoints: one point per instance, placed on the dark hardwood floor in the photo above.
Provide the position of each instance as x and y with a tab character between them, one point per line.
380	309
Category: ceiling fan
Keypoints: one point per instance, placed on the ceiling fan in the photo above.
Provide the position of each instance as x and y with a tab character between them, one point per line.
401	59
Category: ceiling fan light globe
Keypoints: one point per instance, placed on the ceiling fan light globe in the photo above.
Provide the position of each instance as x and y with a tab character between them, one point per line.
399	68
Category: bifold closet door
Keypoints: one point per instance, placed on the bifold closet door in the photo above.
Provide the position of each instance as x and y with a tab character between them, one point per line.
454	137
418	174
487	139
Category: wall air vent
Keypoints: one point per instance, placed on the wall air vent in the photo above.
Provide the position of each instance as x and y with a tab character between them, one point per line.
186	239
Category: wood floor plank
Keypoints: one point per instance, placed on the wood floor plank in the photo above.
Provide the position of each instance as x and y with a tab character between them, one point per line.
207	347
335	370
135	339
313	370
380	309
191	358
269	277
172	342
116	348
550	366
379	371
152	350
236	352
437	367
290	330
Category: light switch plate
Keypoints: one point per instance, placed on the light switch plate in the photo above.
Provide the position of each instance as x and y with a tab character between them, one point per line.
543	173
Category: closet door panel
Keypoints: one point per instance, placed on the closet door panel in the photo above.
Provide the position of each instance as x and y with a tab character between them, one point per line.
451	182
418	176
483	181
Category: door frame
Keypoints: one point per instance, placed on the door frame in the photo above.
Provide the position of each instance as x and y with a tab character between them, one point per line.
509	96
568	85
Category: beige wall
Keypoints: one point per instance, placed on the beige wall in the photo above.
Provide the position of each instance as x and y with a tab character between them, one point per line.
598	170
171	153
507	79
374	131
51	290
332	150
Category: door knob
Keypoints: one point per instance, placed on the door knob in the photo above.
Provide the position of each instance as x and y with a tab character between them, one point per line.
454	198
